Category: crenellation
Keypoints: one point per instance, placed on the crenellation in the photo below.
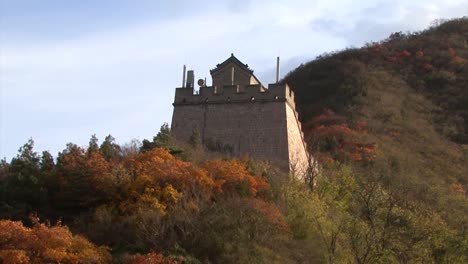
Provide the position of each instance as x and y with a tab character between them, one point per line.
234	93
207	91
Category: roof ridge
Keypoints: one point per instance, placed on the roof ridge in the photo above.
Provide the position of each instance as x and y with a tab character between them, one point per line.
232	58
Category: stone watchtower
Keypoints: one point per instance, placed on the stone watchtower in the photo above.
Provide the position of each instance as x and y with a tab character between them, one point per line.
241	115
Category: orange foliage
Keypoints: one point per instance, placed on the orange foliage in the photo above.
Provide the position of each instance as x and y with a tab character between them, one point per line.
100	169
164	169
151	258
271	212
420	53
42	244
458	188
230	175
13	256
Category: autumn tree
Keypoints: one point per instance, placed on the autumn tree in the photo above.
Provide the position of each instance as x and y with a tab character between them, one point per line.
46	244
232	177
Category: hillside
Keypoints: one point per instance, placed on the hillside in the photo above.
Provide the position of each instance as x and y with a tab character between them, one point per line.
431	63
411	91
387	124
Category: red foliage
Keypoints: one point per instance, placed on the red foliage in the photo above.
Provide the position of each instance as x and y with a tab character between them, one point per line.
427	67
397	55
332	136
151	258
405	54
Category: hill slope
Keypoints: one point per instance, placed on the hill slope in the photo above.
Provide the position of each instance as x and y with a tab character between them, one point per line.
432	63
411	91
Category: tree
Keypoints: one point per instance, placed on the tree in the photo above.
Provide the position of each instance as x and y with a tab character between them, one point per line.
109	149
93	144
75	193
47	162
25	184
164	139
46	244
232	177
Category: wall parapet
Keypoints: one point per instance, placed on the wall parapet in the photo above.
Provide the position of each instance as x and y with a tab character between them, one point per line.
235	94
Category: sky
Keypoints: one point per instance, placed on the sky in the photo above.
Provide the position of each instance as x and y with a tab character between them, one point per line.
71	69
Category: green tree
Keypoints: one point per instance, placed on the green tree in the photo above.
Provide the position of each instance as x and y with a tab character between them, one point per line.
164	139
25	186
93	145
109	149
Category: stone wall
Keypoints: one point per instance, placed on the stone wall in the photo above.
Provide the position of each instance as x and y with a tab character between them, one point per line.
298	155
249	119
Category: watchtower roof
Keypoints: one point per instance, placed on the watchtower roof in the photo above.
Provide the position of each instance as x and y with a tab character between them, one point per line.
235	60
223	70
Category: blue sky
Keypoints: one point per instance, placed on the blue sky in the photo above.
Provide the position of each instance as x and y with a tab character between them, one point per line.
70	69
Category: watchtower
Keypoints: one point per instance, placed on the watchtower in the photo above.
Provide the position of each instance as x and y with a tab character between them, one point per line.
239	113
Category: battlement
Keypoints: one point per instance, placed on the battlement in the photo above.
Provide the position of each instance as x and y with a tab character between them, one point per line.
254	93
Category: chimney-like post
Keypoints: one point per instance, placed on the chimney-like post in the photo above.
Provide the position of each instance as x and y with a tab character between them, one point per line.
183	77
277	69
232	75
190	79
